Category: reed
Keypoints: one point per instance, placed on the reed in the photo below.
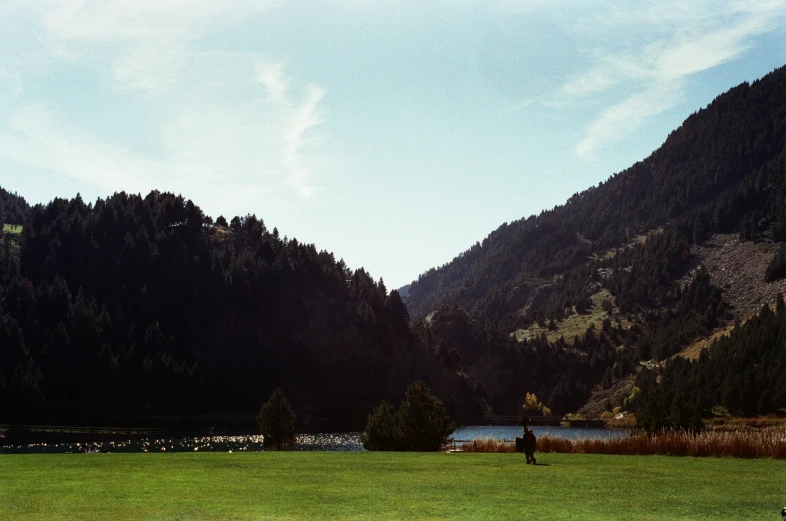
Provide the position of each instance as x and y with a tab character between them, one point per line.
736	444
739	444
488	445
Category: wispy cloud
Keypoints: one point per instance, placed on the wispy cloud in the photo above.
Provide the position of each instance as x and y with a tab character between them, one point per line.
657	47
208	119
622	118
297	121
271	75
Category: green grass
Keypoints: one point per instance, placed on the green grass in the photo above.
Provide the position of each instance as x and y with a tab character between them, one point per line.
575	324
292	486
7	229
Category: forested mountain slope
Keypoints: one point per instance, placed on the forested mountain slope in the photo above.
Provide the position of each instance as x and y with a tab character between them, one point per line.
142	306
13	208
722	170
637	269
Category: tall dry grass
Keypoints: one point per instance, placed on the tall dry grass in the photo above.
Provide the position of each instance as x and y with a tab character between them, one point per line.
741	444
488	445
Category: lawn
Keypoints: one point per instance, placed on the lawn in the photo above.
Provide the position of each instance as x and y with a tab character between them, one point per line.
333	485
7	229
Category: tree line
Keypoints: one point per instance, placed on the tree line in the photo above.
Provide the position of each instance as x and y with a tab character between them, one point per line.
13	208
139	305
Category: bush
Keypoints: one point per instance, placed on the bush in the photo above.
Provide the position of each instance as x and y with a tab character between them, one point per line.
420	424
423	424
533	407
277	422
381	428
660	413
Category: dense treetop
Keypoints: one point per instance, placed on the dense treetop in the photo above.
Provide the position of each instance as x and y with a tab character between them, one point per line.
12	208
142	303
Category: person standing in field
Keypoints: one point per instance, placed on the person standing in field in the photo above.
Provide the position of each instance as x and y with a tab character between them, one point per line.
530	443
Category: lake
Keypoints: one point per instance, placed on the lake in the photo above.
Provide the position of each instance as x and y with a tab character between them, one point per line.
348	441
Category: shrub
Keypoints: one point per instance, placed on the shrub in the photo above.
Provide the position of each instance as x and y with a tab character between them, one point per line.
277	422
659	412
420	424
533	407
423	425
381	428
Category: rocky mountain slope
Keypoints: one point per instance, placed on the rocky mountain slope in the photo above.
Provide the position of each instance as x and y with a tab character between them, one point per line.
659	260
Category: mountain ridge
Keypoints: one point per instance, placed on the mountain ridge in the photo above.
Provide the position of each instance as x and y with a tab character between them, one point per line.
672	183
723	171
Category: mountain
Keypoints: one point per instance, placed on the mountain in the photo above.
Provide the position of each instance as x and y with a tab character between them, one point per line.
138	306
721	171
141	305
640	267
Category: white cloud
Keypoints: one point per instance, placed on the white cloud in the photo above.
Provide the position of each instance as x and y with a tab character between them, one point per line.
298	120
669	43
207	118
271	75
622	118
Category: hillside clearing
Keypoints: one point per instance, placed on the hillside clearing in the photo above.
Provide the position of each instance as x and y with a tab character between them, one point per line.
636	240
576	324
692	351
8	229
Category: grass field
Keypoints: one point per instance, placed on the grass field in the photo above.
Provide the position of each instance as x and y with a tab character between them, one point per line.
7	229
332	485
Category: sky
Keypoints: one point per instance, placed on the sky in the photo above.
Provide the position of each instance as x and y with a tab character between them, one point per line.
395	134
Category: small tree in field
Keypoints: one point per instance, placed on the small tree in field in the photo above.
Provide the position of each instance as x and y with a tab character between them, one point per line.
423	425
381	428
277	421
420	424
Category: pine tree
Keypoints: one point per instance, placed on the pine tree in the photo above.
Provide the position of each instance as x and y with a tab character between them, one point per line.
277	421
380	431
423	424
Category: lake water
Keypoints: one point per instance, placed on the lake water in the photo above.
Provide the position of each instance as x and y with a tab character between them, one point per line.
511	432
349	441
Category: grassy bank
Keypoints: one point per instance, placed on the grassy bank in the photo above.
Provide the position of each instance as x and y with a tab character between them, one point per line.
716	444
293	486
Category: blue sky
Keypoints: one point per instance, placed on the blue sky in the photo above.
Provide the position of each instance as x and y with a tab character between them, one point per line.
393	133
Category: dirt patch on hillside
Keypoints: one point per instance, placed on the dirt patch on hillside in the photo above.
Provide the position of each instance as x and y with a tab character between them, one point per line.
603	400
738	269
693	351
